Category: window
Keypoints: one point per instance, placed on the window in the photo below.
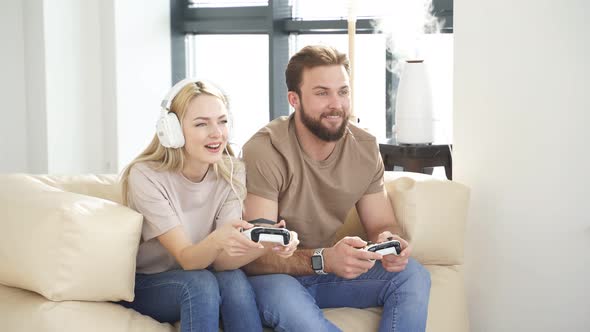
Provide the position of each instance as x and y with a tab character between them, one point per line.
226	3
244	46
336	9
242	75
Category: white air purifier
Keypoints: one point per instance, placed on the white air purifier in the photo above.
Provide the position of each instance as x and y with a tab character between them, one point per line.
413	107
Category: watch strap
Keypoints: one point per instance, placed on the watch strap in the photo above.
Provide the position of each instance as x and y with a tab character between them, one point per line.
319	252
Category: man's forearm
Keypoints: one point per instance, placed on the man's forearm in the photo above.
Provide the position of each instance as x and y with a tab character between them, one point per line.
298	264
394	228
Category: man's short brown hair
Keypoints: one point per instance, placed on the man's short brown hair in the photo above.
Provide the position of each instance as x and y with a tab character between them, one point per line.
310	57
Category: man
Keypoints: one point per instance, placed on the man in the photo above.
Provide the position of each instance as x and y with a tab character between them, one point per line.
310	169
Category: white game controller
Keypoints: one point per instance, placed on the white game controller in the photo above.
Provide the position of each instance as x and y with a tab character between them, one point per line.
390	247
267	234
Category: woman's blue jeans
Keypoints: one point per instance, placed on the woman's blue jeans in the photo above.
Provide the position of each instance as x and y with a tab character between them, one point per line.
195	298
294	304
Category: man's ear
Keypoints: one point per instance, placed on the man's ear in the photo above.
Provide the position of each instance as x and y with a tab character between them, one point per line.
293	98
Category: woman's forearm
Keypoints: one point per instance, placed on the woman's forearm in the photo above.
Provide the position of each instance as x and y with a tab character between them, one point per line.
226	262
199	256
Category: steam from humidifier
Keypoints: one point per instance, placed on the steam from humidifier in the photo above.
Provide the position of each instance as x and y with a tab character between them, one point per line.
406	23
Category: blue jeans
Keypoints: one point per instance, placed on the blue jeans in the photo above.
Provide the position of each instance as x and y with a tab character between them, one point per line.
195	298
289	303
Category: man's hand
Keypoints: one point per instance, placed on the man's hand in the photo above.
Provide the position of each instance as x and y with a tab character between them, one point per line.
285	251
393	263
346	260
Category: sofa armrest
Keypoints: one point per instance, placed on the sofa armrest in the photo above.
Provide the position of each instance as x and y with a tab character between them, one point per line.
431	213
64	245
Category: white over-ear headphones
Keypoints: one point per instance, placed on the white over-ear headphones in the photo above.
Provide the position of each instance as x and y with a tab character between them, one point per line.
168	127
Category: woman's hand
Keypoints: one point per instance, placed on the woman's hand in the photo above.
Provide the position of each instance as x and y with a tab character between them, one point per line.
229	238
286	251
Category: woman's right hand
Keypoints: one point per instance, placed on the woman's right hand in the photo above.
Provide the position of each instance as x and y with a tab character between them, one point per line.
229	238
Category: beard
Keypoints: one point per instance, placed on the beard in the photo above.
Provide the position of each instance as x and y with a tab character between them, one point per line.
321	132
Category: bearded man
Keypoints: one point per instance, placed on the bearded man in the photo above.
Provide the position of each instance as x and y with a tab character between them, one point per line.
310	169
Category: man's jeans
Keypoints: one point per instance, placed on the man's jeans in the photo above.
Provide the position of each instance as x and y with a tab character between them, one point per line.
294	303
195	298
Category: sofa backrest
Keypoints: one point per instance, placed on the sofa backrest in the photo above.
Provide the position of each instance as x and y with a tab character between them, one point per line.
101	186
431	212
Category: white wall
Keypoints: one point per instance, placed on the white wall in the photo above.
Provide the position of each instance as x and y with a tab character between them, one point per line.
13	136
143	72
74	96
82	82
35	86
521	122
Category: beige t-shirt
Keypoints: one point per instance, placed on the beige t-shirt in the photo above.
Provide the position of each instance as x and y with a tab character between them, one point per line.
168	199
313	197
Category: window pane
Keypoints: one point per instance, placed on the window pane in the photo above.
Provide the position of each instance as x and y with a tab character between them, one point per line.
369	71
334	9
227	3
238	64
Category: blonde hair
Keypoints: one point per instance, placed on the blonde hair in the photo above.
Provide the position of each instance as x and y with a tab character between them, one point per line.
169	159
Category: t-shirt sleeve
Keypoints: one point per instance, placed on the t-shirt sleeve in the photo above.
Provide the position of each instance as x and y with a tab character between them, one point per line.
264	173
230	209
377	183
149	199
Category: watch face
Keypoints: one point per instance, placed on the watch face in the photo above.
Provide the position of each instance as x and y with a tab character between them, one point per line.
316	263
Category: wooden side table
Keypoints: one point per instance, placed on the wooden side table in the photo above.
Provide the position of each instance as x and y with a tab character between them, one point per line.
416	157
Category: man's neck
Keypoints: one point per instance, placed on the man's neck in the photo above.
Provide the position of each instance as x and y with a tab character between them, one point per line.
312	145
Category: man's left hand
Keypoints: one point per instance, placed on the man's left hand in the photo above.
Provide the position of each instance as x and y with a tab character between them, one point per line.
393	263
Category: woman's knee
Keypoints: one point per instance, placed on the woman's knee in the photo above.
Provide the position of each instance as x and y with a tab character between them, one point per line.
201	284
234	282
232	276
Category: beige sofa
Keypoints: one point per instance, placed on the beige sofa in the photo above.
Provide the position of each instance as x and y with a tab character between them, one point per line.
68	248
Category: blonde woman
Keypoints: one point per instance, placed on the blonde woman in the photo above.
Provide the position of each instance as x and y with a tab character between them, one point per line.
190	189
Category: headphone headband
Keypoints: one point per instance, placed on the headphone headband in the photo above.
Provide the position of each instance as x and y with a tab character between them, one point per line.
174	91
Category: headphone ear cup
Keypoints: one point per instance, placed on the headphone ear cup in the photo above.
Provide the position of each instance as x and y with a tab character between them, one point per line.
169	131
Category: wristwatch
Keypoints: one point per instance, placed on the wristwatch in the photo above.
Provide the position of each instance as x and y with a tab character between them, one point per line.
317	261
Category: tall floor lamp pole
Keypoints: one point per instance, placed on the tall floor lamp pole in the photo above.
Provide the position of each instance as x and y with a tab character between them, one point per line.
351	36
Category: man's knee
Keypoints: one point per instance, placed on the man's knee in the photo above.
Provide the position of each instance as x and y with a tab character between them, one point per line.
419	274
286	305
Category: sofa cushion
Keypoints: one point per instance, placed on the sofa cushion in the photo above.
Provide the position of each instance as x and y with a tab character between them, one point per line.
431	213
66	246
24	311
447	307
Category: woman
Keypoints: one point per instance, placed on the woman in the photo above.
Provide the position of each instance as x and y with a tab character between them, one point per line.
190	190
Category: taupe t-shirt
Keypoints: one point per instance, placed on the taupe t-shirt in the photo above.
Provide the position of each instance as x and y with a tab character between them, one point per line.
168	199
313	197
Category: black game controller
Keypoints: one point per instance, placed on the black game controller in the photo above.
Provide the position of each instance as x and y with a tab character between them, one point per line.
267	234
389	247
